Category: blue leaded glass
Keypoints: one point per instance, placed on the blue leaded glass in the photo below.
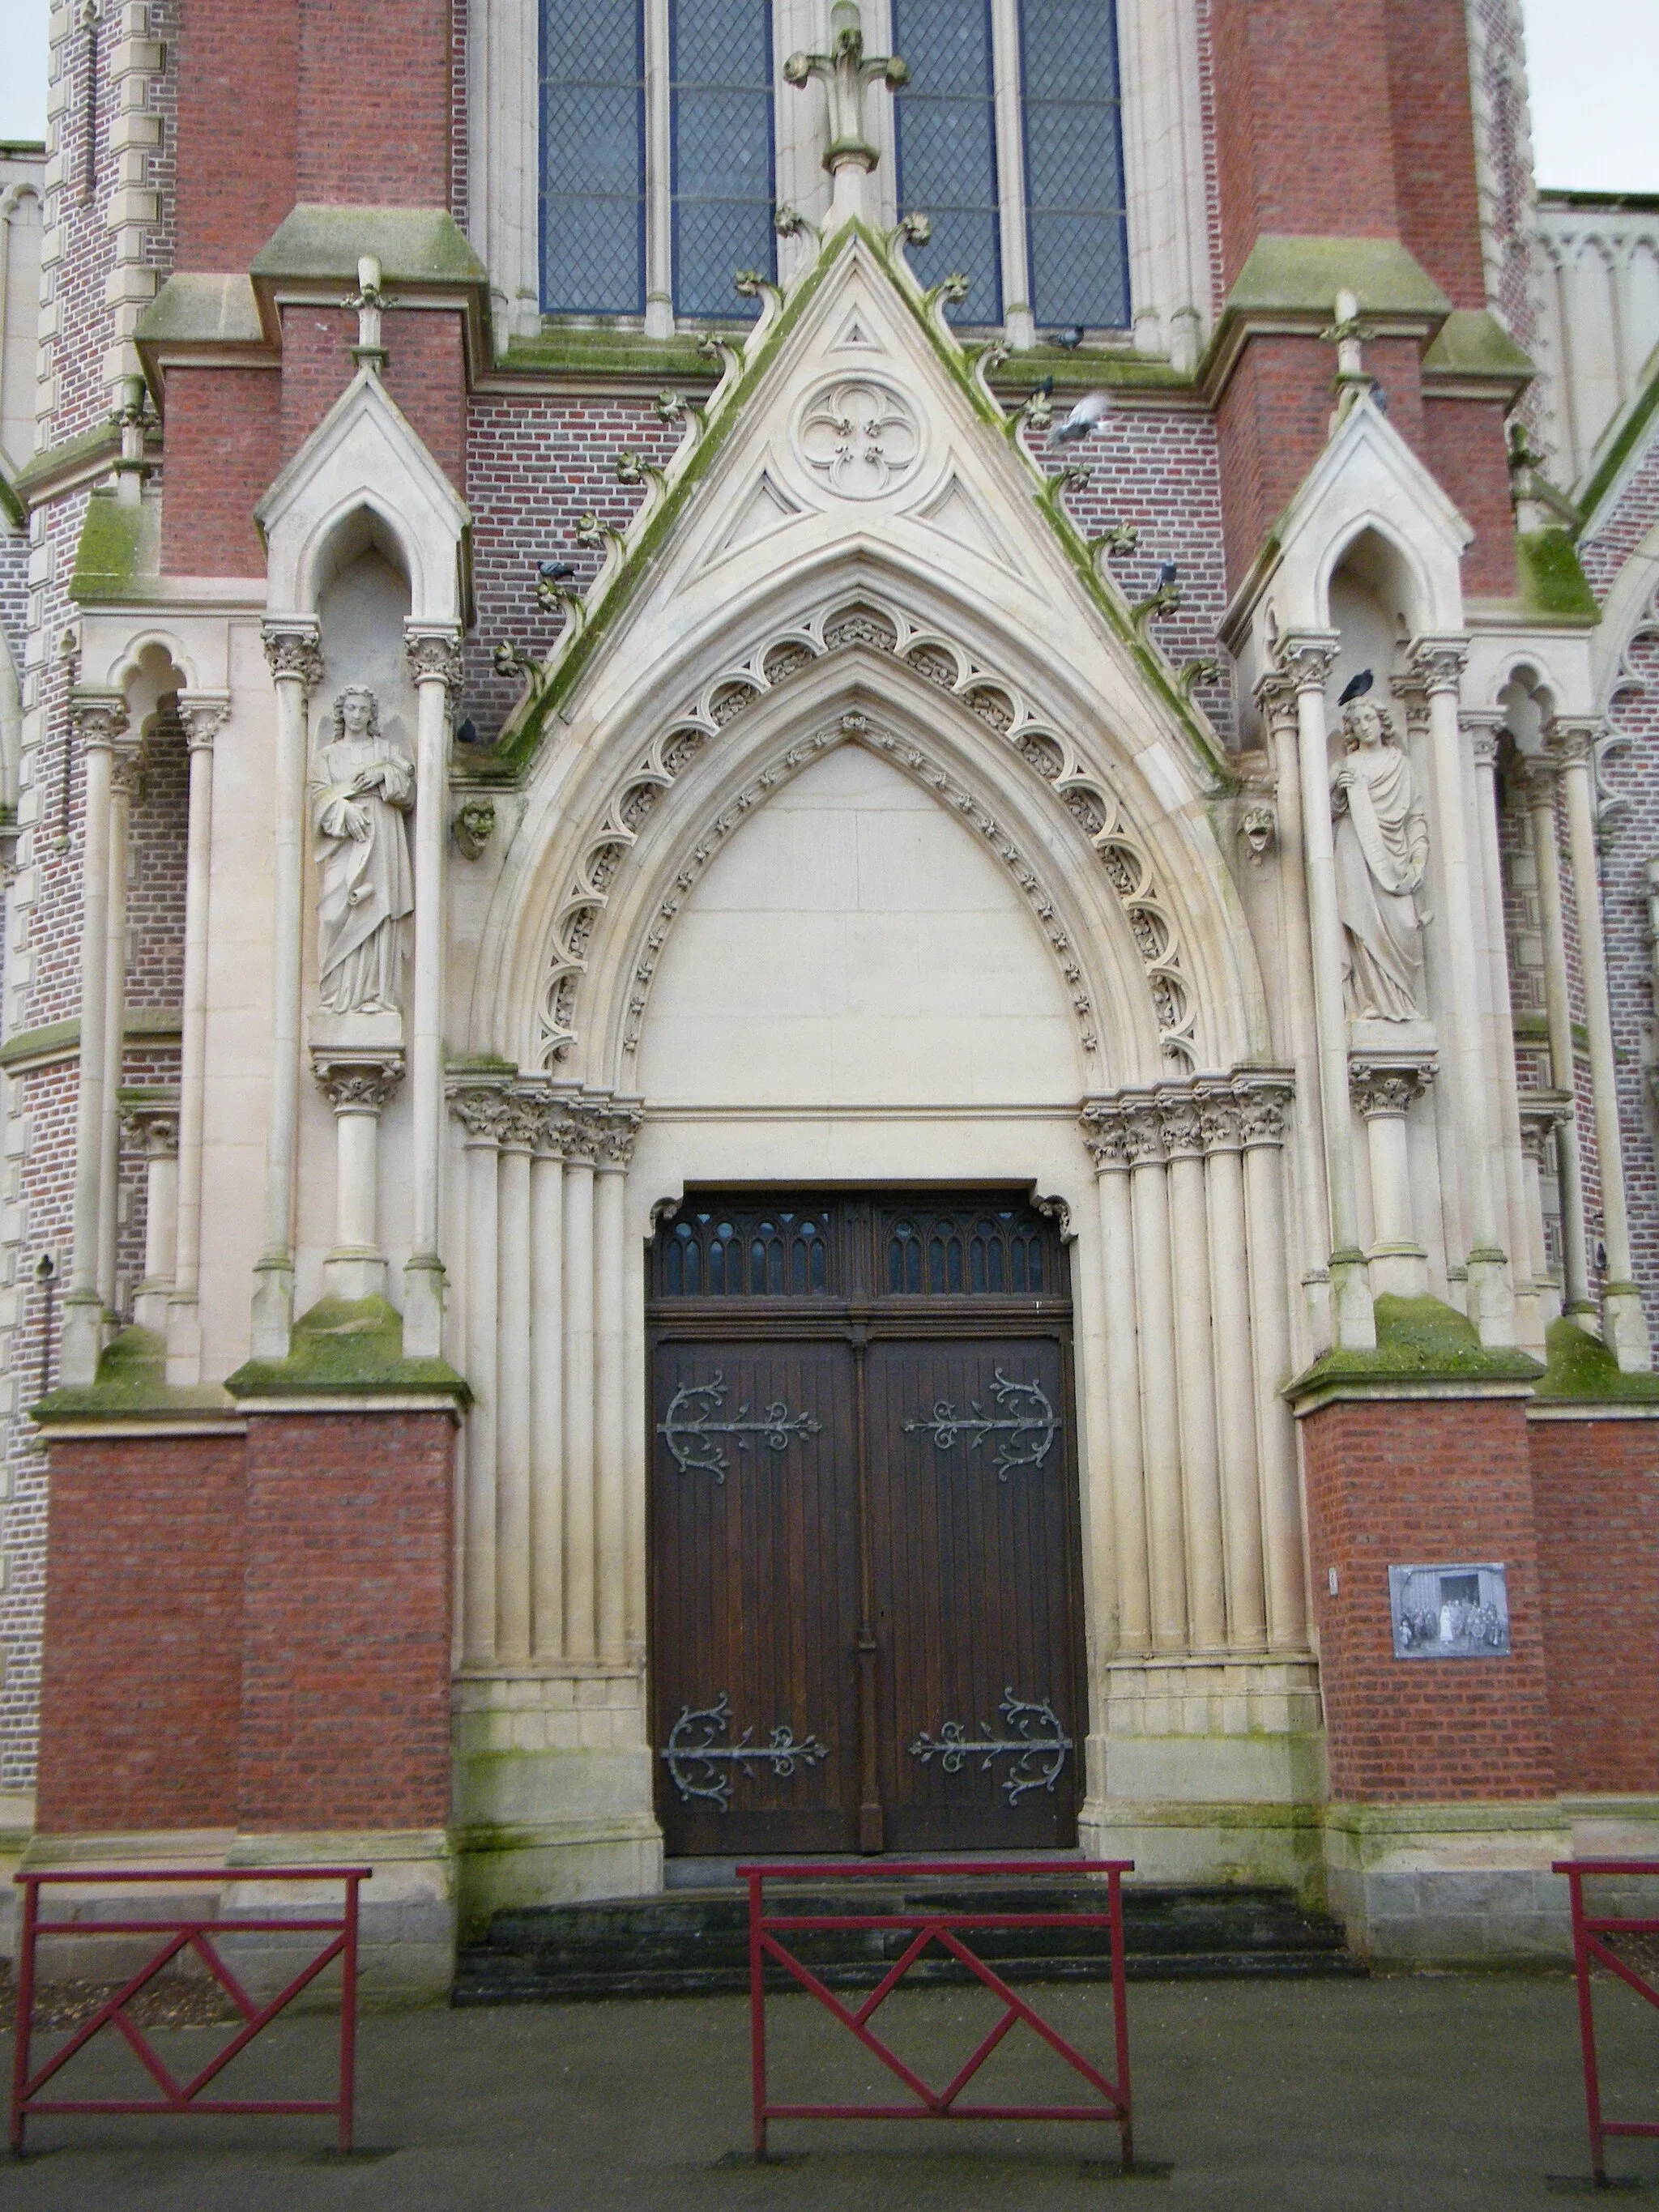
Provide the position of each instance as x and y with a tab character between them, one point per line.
1075	220
722	65
592	196
947	146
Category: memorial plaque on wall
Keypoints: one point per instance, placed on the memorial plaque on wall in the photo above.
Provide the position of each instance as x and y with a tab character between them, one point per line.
1449	1611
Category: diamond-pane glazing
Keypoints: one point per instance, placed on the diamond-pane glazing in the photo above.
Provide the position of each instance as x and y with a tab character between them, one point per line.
722	162
1075	221
592	195
945	130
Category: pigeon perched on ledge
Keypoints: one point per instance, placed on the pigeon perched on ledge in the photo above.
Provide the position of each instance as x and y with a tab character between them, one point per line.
1082	421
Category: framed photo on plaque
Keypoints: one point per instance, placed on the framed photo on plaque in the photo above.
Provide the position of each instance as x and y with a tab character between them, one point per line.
1449	1611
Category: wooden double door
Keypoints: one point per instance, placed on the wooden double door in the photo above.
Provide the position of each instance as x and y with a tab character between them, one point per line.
866	1618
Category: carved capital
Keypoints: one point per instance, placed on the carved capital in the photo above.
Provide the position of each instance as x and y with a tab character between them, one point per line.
1183	1128
434	656
356	1081
482	1111
1263	1103
152	1124
1275	699
524	1115
1306	658
1541	1112
126	766
204	715
1387	1086
1437	664
1104	1134
1143	1132
1220	1117
1535	776
294	653
619	1129
1572	744
99	717
1485	737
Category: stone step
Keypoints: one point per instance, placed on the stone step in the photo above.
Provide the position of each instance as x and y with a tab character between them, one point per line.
694	1943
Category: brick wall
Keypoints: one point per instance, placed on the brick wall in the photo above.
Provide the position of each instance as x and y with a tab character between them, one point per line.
1462	442
425	375
375	99
345	1679
142	1675
1595	1488
223	452
1433	143
1398	1482
239	60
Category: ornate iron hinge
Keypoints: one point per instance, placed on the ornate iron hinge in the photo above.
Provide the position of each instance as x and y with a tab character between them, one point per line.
1035	1736
691	1434
1028	1425
695	1753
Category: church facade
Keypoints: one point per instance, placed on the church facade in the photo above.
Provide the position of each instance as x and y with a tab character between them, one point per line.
828	992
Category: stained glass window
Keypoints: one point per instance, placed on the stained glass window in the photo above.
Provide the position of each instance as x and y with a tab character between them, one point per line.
721	77
947	146
592	200
1074	209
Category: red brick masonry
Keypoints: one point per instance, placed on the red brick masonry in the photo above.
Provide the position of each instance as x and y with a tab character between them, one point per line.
1596	1487
1395	1482
250	1633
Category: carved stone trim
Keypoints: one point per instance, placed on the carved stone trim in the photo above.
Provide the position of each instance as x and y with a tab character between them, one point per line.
1216	1114
481	1110
1389	1086
357	1079
434	654
880	625
152	1124
294	653
1572	744
1437	664
203	717
1542	1112
99	717
1306	658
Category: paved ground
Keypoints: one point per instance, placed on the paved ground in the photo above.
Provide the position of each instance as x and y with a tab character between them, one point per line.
1444	2093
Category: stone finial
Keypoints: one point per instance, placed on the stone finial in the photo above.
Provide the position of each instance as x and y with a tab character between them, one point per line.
846	71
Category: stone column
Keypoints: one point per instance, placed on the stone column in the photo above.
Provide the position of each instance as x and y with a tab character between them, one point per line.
202	715
153	1123
1263	1100
1276	695
582	1152
1222	1124
126	766
1543	1113
1436	668
482	1112
100	721
1160	1415
356	1081
618	1128
1539	779
1503	1119
1189	1251
1306	658
1384	1086
435	658
547	1386
1624	1329
1104	1135
296	665
520	1128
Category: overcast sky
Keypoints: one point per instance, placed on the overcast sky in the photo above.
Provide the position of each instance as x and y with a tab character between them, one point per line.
1594	67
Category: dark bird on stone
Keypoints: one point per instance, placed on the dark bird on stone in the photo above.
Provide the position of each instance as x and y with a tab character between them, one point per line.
1166	574
1355	687
1071	339
1082	421
1047	387
555	572
466	732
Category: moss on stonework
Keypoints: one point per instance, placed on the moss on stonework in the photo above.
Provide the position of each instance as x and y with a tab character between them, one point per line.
1472	343
413	245
1550	585
132	1382
120	540
1638	423
1418	1340
349	1345
581	350
1581	1366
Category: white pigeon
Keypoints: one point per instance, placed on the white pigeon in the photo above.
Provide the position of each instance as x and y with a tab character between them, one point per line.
1082	421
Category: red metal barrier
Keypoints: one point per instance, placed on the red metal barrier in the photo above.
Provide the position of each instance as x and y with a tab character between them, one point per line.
178	2097
1586	1946
944	1928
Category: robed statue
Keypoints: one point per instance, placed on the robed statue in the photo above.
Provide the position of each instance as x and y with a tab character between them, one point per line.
1382	850
362	788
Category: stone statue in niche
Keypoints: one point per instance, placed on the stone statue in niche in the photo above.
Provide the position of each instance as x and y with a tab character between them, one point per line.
362	788
1382	850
